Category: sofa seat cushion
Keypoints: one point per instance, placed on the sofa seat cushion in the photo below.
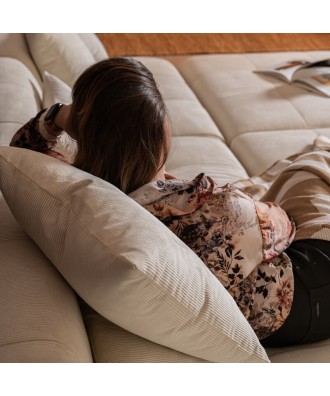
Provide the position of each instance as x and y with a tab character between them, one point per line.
122	261
317	352
256	114
191	155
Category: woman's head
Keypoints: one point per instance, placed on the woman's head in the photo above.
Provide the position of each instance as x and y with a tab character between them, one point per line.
119	120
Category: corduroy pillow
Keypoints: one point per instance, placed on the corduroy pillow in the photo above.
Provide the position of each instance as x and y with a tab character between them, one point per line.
122	261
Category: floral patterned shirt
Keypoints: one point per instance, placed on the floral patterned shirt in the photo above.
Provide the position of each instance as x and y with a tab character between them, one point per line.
240	240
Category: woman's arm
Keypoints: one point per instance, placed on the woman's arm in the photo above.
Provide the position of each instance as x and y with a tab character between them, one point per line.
38	136
277	229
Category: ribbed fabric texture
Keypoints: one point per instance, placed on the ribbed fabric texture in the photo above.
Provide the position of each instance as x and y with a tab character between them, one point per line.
123	262
112	344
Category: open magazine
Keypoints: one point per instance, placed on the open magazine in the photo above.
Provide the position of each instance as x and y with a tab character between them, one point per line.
313	76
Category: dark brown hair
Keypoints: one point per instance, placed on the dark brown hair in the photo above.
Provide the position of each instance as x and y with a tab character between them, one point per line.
119	120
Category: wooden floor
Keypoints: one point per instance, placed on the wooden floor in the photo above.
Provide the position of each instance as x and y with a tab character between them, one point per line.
160	44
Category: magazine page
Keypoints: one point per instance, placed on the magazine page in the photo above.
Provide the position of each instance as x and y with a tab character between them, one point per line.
320	63
316	79
285	70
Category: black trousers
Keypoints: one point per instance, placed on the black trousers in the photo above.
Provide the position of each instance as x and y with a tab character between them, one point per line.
309	318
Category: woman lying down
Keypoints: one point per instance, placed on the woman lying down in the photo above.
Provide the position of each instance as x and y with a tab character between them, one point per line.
272	254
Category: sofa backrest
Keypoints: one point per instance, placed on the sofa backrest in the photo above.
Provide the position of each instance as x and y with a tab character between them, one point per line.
65	55
13	45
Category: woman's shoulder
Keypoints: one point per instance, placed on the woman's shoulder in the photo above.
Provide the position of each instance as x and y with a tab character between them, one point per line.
178	197
159	189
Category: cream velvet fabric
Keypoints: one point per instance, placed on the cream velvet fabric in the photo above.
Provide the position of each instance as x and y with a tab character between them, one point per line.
122	261
262	119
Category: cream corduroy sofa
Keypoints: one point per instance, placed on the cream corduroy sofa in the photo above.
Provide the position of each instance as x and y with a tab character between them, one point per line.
79	282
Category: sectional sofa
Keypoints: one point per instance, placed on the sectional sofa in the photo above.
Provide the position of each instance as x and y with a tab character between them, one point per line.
89	276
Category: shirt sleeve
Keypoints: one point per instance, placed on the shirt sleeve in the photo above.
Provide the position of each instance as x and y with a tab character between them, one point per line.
34	136
277	229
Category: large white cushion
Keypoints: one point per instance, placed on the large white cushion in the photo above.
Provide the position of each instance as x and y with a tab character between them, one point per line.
63	54
95	46
122	261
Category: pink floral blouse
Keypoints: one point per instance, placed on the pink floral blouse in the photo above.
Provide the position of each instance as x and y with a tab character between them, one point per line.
240	240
